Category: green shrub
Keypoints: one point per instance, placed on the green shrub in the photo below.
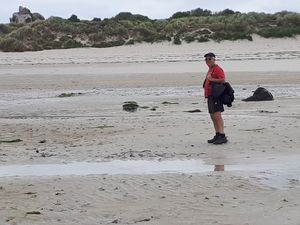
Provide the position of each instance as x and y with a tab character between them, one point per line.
291	19
180	15
127	24
53	45
141	17
23	33
124	16
159	25
74	18
95	19
64	38
130	42
130	16
226	12
168	38
178	25
109	44
37	47
203	39
155	38
177	40
97	37
72	44
121	31
150	38
189	38
277	32
144	29
138	40
232	36
4	29
12	45
201	12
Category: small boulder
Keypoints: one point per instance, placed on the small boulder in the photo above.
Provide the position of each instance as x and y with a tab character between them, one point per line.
130	106
260	94
194	111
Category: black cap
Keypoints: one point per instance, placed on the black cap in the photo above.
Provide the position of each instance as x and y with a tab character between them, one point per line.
210	54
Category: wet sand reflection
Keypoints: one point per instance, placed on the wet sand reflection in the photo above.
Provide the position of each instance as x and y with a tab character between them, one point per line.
219	168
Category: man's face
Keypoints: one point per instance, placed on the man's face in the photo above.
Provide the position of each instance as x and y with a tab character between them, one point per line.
210	61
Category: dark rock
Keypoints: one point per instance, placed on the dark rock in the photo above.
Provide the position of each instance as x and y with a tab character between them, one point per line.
66	95
154	108
170	103
33	213
130	106
143	220
30	193
37	16
194	111
260	94
12	141
266	111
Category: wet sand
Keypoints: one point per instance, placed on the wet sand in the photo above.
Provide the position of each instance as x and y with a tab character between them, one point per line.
38	127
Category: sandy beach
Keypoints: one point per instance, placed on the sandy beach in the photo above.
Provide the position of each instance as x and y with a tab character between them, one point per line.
261	181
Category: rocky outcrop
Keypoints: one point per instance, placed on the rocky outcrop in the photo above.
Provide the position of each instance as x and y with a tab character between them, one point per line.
25	16
37	16
24	10
260	94
21	18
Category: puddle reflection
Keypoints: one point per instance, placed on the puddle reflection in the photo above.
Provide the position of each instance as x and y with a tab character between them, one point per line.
219	168
111	168
276	175
134	167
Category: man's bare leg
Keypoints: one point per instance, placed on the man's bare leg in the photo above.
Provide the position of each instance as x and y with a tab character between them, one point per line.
218	122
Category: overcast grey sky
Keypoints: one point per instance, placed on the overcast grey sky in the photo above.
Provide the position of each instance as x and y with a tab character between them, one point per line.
155	9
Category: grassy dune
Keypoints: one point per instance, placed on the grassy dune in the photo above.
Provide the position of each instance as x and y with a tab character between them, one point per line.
127	29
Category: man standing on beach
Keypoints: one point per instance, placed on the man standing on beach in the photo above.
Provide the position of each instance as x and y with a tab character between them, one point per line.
215	105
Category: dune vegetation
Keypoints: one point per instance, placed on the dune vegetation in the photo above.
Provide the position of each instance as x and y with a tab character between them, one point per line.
127	29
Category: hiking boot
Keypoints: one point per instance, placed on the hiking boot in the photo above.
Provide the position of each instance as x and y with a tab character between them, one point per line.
220	140
213	139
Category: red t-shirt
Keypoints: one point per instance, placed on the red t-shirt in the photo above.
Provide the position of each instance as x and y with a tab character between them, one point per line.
216	73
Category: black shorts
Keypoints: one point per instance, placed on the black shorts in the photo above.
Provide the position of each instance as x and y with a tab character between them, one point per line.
214	105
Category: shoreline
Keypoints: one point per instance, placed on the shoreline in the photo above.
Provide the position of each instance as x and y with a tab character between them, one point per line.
60	81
